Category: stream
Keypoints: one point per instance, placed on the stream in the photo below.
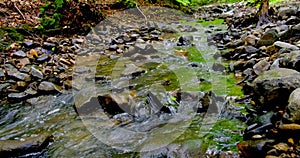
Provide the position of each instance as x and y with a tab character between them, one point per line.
170	65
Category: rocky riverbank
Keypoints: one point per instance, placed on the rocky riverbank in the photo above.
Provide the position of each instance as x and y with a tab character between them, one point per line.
267	58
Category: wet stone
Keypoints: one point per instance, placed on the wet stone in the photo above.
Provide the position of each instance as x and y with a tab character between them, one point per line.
20	54
132	70
218	67
49	87
81	69
17	96
77	41
15	148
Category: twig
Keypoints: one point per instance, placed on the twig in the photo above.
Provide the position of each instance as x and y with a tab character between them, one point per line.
141	12
19	11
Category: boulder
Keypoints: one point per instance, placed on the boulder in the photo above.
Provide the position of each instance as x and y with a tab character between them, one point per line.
268	38
272	88
293	109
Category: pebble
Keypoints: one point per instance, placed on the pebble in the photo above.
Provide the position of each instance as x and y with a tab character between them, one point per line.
36	73
43	58
20	54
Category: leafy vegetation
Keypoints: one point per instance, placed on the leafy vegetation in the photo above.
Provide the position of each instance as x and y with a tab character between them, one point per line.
63	16
127	3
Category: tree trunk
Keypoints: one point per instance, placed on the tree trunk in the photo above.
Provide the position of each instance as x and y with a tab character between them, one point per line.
263	13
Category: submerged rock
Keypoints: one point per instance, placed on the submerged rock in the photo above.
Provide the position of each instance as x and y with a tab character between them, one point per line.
14	148
132	70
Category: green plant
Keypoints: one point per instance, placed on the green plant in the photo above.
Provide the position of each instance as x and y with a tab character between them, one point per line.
127	3
184	2
53	22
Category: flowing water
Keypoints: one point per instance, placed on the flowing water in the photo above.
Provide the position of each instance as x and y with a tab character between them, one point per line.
142	82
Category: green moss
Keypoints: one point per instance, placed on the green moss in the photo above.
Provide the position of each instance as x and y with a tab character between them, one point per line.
195	55
214	22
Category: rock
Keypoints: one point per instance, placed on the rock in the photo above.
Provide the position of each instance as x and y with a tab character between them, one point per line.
218	67
285	12
291	60
281	147
2	75
290	127
181	52
30	91
14	97
251	40
251	50
77	41
268	38
132	70
81	69
24	62
184	41
30	44
20	85
113	47
20	54
14	148
18	75
261	67
283	45
3	86
35	72
293	109
272	88
49	87
43	58
49	46
257	148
